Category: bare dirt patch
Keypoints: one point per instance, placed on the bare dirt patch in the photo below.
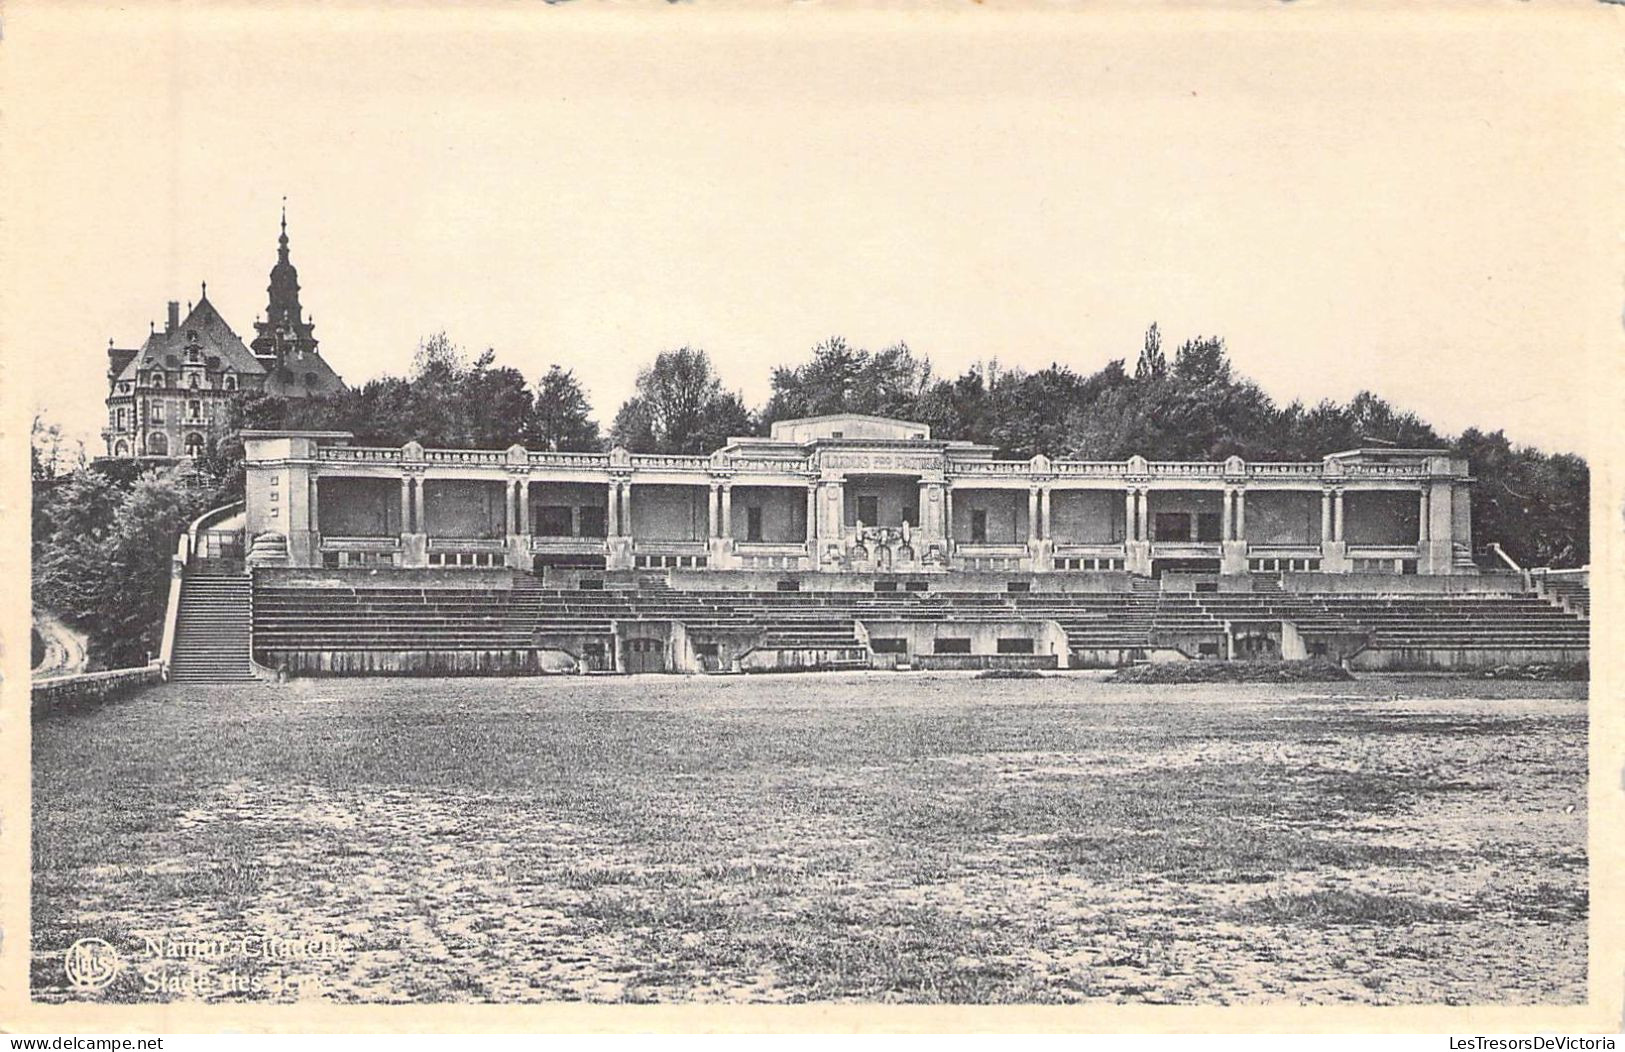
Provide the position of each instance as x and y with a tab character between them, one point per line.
911	837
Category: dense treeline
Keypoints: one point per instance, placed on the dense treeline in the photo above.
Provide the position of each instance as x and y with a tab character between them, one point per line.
103	536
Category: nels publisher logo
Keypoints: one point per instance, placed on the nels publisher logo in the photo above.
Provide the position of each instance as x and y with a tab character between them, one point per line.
92	963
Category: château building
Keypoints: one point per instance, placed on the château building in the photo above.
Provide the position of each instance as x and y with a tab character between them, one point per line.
172	396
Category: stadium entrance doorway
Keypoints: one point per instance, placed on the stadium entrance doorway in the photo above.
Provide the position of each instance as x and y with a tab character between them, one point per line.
644	655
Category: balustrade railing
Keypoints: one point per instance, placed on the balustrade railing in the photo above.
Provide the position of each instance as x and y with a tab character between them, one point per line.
670	462
359	454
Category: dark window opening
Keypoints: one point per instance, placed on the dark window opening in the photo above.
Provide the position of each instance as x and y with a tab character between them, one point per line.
1207	526
553	520
705	650
590	584
978	526
1171	526
918	586
592	520
1015	646
1410	566
911	514
952	646
885	586
753	523
888	646
869	510
1208	650
1207	586
789	586
1018	586
1317	650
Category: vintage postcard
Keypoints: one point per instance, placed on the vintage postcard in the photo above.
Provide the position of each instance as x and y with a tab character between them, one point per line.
802	516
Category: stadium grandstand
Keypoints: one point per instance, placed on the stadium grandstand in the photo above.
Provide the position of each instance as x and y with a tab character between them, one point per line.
844	542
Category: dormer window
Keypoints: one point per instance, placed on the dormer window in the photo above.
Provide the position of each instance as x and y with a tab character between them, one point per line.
194	355
231	381
157	379
837	434
193	381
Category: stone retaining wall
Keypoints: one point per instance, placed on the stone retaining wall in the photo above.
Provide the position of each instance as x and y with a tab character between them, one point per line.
93	686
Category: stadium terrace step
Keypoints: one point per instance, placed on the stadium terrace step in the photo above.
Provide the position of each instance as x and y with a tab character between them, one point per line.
820	623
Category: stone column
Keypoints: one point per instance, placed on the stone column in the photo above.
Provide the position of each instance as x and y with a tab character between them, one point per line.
1325	516
727	510
1044	496
509	509
1131	524
1337	516
524	507
414	539
1422	518
811	534
315	507
711	510
613	527
948	513
1440	551
1233	549
421	518
1032	515
1145	514
626	509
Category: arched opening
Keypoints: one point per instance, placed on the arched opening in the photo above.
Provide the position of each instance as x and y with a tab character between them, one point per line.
194	444
158	444
121	448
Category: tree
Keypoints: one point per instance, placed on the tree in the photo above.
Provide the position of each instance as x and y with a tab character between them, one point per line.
1152	364
104	565
560	416
1202	361
679	407
48	458
840	378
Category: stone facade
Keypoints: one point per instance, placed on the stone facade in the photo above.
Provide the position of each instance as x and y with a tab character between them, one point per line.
853	494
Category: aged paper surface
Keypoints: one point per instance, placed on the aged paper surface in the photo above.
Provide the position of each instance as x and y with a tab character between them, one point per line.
753	177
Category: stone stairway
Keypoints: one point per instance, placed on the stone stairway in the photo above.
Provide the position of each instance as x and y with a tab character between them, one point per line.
212	631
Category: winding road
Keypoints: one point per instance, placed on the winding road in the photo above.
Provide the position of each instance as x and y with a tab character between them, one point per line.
65	651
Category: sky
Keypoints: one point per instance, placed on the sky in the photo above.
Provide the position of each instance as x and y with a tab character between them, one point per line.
1387	201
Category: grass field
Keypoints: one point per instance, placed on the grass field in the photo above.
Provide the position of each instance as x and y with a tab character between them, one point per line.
899	837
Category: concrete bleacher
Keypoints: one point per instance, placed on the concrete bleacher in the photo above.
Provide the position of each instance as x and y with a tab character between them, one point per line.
820	628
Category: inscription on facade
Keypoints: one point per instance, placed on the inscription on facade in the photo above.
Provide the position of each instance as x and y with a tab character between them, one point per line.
881	461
